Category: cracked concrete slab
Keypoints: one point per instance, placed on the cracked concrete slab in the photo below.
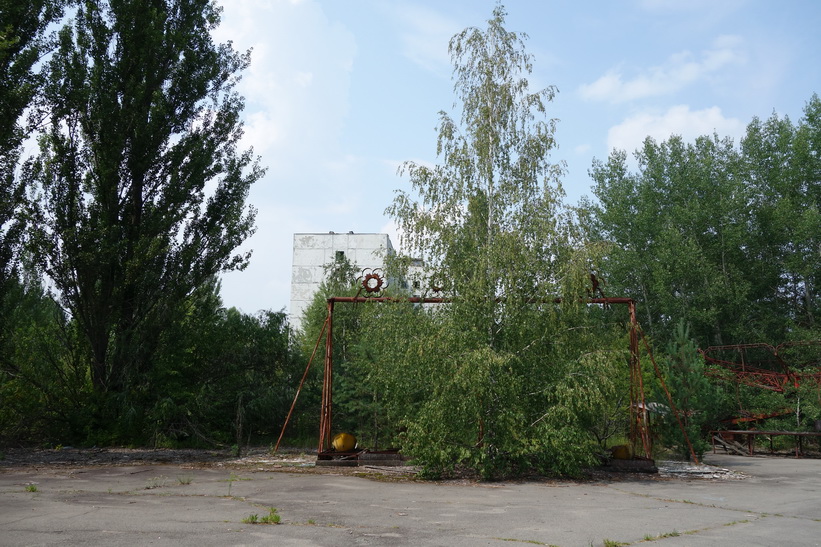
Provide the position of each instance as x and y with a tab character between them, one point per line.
769	501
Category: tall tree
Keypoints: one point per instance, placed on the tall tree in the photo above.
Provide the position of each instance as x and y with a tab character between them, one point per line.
140	181
492	379
486	220
782	166
676	229
721	237
23	42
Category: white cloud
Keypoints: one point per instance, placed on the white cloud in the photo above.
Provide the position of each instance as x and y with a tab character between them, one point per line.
425	36
678	71
706	8
303	79
265	284
296	89
678	120
262	131
297	98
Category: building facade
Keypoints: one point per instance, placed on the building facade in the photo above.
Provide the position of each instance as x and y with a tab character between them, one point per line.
313	252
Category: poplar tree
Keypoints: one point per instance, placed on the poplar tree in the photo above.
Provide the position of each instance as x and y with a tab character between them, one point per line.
722	237
23	42
140	181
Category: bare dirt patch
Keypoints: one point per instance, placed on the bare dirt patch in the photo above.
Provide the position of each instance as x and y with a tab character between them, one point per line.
298	461
86	457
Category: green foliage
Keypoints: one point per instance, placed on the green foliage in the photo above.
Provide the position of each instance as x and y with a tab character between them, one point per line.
455	403
800	407
271	518
43	384
223	376
251	519
23	41
141	119
503	379
724	238
721	238
357	407
694	273
699	401
782	163
220	377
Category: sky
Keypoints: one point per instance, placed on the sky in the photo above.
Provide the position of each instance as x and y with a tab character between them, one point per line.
341	92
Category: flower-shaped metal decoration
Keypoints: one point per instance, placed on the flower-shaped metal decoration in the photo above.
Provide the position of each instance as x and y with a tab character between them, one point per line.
436	284
372	281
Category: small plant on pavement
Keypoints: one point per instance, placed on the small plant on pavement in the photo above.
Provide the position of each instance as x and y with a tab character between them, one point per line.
156	482
271	518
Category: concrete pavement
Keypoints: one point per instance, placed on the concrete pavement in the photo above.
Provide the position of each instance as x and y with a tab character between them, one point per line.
778	503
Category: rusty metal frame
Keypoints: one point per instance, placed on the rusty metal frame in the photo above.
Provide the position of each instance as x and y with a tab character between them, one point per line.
639	422
750	373
326	409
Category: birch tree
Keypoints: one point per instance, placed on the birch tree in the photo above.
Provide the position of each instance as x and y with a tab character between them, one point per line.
501	376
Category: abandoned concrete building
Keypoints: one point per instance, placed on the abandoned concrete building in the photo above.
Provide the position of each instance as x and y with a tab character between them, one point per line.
313	252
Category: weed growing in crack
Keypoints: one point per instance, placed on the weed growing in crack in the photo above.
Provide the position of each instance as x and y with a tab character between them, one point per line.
271	518
156	482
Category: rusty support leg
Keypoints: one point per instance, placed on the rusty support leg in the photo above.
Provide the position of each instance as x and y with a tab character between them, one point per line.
327	384
640	425
301	383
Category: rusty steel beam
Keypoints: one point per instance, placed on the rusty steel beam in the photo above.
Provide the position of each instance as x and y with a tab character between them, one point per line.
639	432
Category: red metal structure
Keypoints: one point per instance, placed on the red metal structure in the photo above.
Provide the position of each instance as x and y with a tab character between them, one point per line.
767	367
774	368
372	285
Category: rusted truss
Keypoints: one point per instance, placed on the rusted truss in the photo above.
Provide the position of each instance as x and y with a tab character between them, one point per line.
767	367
